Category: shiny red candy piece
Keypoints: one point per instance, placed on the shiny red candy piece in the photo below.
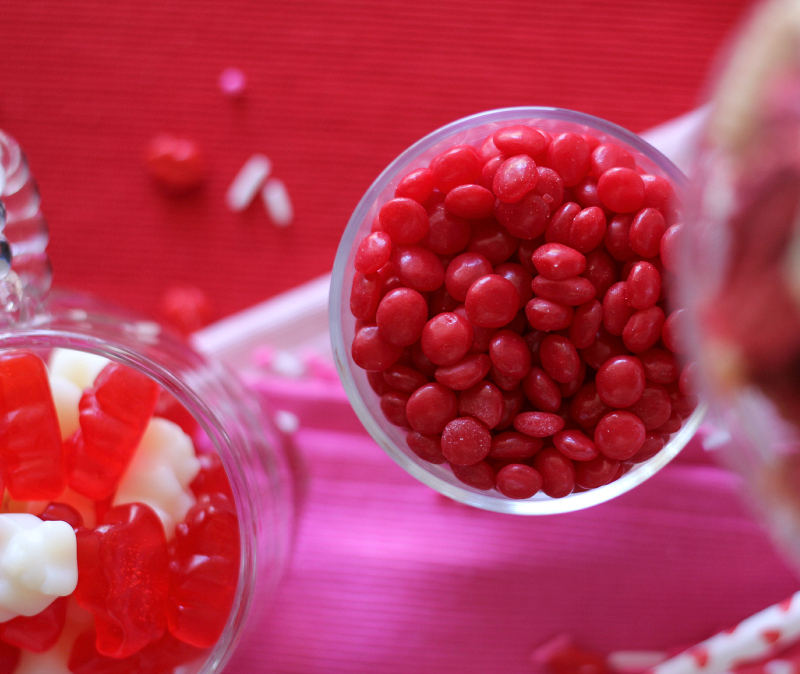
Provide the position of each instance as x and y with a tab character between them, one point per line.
531	292
62	512
212	478
203	571
114	414
32	458
123	579
36	633
176	163
185	308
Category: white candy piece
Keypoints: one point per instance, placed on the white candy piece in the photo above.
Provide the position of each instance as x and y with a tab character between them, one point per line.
66	396
79	367
247	182
277	202
38	562
160	473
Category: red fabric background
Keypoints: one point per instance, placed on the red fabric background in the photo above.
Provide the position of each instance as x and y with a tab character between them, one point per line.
336	91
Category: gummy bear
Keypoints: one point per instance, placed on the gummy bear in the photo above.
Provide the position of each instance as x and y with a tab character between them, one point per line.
32	459
212	478
36	633
157	658
204	568
123	579
9	658
113	415
62	512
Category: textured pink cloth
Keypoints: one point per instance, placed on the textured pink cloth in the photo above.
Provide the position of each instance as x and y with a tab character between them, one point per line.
390	577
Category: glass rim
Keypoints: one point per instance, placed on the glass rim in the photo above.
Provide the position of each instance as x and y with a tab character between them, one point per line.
463	494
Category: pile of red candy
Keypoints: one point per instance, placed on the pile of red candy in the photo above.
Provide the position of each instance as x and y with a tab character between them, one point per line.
510	306
156	603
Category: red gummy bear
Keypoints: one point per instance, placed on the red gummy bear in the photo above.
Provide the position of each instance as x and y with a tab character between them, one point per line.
123	579
113	416
32	459
62	512
37	633
159	657
9	658
212	478
204	569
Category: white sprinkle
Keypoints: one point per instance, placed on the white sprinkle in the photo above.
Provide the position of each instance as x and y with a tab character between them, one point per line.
286	421
288	365
277	202
247	182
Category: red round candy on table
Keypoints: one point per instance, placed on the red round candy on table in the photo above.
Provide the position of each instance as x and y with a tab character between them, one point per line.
541	390
519	139
514	178
185	308
643	329
426	447
659	365
510	354
484	402
176	163
459	165
465	373
647	228
430	408
558	262
601	271
401	316
393	405
621	190
373	252
446	338
620	381
513	445
569	155
586	406
418	268
518	481
365	295
492	301
404	220
575	445
524	219
654	407
520	277
560	223
559	358
463	271
538	424
550	187
588	229
572	291
417	185
479	475
547	315
557	471
608	156
619	435
644	285
595	472
372	352
465	441
447	234
617	311
586	322
470	201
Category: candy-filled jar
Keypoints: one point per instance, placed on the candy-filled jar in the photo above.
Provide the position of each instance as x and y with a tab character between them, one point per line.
499	312
141	464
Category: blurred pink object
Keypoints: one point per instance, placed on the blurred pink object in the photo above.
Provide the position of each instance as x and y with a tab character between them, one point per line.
232	82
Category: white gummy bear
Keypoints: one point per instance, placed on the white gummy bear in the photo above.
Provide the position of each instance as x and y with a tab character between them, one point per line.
66	396
160	473
38	562
79	367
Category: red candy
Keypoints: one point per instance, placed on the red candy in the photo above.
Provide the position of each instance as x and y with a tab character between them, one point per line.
123	579
531	292
32	459
114	413
36	633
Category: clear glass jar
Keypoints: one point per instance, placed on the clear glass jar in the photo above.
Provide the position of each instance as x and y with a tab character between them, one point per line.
474	130
237	424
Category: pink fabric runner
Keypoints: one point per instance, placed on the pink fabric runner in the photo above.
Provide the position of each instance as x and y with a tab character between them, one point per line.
390	577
